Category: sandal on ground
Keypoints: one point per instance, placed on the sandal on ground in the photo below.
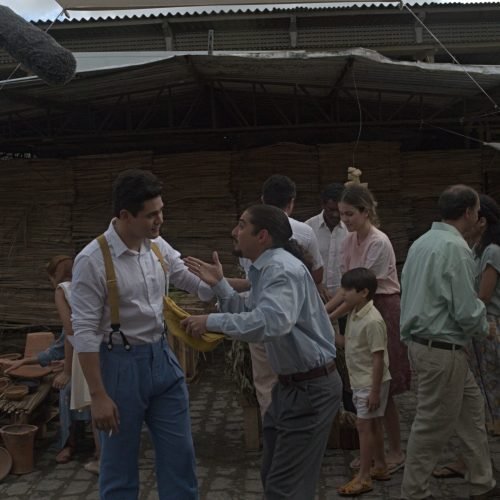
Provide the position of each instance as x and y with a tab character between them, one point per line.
379	474
395	466
354	488
447	472
65	455
92	466
355	463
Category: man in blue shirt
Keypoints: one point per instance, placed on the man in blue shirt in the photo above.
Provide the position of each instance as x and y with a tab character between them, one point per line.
285	311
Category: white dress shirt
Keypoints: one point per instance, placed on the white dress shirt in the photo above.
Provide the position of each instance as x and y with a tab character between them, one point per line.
329	246
141	287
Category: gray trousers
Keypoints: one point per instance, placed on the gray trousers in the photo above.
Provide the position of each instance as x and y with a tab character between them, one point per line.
295	433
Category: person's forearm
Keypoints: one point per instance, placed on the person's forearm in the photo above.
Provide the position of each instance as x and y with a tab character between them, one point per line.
377	370
317	275
239	284
340	311
91	368
334	302
339	340
68	357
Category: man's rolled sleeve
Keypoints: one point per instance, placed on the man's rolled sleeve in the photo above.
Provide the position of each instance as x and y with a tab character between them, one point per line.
87	303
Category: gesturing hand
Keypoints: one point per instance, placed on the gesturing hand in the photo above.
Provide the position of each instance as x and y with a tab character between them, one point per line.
210	273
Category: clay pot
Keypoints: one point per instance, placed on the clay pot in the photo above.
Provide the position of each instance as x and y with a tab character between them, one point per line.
5	463
19	440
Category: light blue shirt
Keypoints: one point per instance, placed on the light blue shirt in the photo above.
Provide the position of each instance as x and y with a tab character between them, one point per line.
490	257
438	299
282	309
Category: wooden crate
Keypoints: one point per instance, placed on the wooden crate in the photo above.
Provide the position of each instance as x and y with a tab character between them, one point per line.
187	357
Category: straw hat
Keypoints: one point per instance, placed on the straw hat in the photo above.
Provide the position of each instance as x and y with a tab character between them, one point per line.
5	463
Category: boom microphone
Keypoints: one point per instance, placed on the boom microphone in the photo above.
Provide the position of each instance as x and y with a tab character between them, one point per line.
34	49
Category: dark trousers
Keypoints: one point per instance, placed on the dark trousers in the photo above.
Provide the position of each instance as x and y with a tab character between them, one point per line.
295	433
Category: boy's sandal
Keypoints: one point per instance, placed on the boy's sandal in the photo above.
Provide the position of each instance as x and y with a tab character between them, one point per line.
354	488
380	474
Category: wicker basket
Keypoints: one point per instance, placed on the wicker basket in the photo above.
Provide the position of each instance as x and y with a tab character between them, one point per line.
16	392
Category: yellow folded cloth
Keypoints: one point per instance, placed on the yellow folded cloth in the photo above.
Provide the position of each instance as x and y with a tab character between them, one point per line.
174	314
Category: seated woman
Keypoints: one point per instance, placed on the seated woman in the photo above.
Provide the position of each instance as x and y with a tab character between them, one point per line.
60	353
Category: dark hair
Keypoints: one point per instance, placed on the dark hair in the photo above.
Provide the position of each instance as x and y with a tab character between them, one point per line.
132	188
360	278
279	191
276	223
60	268
332	192
491	212
361	198
455	200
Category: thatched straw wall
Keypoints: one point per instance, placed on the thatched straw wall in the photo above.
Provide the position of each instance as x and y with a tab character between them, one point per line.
56	206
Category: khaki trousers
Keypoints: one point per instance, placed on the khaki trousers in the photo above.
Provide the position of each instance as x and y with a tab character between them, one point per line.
448	402
264	379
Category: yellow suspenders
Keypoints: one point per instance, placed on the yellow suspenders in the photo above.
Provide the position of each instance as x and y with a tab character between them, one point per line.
173	314
113	296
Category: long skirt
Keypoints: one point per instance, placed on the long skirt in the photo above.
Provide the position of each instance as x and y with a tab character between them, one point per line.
484	361
389	307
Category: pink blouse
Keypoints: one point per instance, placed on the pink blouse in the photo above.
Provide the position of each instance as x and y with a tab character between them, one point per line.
375	253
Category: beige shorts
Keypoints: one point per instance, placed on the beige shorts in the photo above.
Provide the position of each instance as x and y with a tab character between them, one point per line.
360	400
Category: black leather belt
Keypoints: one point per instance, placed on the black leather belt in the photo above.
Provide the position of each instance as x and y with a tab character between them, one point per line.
435	343
317	372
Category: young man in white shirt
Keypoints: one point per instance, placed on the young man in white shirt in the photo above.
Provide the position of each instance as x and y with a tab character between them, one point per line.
132	374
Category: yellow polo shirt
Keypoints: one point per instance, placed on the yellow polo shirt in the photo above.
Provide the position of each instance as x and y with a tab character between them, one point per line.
366	333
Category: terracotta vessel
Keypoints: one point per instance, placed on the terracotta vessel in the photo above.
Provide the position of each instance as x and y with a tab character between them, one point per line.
19	440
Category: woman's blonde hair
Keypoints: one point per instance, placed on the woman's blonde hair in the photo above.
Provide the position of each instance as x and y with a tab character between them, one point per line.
60	268
360	197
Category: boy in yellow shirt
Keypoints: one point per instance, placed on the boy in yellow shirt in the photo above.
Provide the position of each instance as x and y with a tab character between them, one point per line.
368	365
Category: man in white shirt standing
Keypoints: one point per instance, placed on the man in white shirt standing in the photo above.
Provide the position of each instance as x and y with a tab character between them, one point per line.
280	191
132	374
329	231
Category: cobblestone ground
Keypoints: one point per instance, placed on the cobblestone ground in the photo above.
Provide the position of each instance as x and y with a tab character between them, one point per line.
226	471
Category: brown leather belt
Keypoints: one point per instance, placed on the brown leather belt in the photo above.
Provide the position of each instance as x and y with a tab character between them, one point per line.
319	371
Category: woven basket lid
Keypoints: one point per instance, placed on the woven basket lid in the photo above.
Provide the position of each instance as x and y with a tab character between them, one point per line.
31	371
16	392
5	463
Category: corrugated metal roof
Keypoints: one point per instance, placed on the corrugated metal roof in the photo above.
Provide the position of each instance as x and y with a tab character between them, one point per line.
75	17
281	71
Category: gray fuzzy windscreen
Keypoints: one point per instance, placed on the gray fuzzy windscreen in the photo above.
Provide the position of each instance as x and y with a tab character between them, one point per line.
37	51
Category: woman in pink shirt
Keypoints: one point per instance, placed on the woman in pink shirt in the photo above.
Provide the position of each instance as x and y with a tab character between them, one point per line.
367	246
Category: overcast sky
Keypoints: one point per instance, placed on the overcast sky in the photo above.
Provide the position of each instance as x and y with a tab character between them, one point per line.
48	9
